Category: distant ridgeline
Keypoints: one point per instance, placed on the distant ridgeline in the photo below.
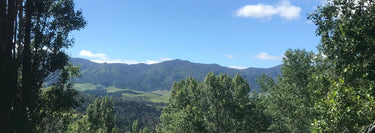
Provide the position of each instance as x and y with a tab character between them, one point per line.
160	76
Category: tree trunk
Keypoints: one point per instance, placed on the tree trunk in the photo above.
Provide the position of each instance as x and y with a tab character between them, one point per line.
4	101
7	21
24	124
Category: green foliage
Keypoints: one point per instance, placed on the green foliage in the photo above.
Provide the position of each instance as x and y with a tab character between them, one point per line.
146	130
310	87
346	29
81	125
218	104
135	127
345	109
129	111
291	97
100	117
56	103
126	112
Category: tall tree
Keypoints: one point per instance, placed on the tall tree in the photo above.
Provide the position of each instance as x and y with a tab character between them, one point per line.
347	30
8	69
34	34
291	97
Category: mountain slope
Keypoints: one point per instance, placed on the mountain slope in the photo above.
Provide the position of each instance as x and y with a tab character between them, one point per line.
158	76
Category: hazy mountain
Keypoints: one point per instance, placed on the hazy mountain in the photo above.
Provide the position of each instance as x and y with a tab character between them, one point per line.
158	76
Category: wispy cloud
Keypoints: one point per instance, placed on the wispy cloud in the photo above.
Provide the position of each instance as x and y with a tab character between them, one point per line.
102	58
130	62
266	56
86	53
165	59
261	11
238	67
229	56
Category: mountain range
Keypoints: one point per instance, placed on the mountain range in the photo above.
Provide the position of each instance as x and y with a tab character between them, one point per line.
160	76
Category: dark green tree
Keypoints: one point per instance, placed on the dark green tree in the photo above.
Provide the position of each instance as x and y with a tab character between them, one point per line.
33	36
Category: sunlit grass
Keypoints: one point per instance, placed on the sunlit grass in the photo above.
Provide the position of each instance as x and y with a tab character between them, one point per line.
158	96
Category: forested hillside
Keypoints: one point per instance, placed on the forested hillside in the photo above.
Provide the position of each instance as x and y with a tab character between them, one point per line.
159	76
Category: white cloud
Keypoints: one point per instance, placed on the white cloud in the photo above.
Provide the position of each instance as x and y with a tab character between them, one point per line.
102	58
86	53
237	67
229	56
115	61
165	59
265	56
130	62
261	11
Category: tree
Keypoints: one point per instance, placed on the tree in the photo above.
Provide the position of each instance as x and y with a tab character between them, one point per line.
291	97
135	127
99	118
184	111
101	115
218	104
346	29
57	103
33	36
8	71
146	130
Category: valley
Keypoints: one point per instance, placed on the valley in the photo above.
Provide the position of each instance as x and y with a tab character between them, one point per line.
160	76
152	83
141	91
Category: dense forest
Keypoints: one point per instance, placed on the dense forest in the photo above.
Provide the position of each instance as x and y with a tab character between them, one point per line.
330	90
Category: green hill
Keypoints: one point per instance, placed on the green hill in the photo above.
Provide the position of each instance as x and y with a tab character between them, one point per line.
160	76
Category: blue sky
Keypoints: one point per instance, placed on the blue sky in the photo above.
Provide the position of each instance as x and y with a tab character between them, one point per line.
231	33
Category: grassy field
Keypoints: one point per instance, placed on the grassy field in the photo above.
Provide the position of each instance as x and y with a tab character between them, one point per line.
83	87
158	96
